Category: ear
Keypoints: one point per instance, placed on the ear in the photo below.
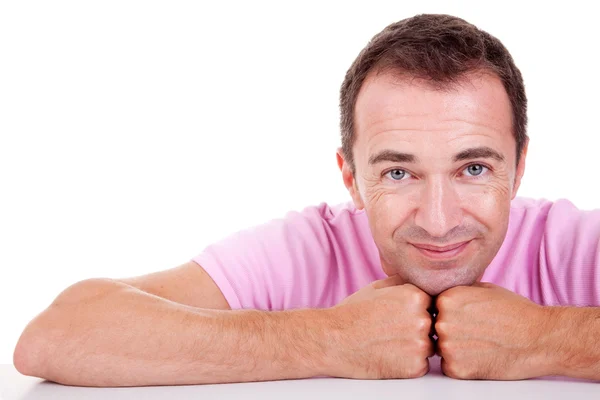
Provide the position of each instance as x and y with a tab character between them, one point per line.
520	169
349	180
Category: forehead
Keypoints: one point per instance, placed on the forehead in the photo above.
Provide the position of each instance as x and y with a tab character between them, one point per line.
410	110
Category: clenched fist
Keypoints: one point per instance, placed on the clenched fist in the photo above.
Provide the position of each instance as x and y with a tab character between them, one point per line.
382	332
488	332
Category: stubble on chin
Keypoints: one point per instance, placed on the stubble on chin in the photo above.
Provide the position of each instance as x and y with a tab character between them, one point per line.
435	279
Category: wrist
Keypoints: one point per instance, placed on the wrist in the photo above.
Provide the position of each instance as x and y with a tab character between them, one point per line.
315	330
543	342
558	339
332	360
574	341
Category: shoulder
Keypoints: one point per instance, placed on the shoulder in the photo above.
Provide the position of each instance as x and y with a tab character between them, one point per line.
527	204
544	208
525	210
331	212
337	216
554	220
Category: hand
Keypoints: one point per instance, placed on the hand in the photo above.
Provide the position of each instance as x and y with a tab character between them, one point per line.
382	332
487	332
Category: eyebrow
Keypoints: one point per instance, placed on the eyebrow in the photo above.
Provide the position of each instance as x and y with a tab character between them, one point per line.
393	156
468	154
478	152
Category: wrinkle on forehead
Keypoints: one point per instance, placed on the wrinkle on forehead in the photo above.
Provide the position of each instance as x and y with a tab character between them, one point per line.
385	103
409	139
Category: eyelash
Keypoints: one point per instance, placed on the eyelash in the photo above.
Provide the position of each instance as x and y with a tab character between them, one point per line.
464	168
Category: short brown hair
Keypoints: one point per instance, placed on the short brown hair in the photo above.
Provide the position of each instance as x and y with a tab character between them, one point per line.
441	49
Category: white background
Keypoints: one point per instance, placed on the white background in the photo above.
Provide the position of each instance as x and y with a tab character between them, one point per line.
133	134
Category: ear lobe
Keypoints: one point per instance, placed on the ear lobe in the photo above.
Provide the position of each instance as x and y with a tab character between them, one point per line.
349	180
340	158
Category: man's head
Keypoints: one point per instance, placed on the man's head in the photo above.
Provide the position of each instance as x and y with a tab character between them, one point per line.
433	120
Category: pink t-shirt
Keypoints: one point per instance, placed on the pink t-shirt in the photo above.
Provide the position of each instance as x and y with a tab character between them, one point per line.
317	257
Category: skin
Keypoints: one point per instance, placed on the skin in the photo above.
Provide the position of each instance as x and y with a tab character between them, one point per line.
434	200
488	332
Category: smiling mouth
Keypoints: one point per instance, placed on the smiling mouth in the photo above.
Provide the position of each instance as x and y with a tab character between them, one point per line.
441	252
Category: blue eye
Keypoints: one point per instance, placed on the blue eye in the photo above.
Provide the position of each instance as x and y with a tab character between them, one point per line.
397	174
475	170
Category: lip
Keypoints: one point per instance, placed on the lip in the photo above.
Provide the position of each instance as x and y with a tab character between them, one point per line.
441	252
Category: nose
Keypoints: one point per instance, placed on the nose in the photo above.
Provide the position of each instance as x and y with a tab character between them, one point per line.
439	209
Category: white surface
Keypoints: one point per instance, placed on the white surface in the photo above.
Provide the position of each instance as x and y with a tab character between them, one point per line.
434	386
134	133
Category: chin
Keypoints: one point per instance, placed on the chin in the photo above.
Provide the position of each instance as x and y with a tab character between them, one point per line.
434	282
435	276
434	290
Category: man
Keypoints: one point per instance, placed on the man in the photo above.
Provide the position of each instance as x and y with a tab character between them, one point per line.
433	255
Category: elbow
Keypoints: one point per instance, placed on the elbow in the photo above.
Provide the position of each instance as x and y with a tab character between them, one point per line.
40	336
28	356
43	335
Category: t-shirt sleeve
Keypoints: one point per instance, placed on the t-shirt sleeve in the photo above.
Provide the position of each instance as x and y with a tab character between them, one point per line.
282	264
570	254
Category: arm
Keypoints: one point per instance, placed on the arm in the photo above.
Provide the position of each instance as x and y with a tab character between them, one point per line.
488	332
569	268
102	332
572	342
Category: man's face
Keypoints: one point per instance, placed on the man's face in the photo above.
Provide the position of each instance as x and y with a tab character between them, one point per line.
435	173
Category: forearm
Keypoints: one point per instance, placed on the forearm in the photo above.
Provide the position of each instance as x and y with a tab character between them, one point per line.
572	341
118	335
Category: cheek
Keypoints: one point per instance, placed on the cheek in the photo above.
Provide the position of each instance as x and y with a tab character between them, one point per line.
386	195
488	204
497	188
389	210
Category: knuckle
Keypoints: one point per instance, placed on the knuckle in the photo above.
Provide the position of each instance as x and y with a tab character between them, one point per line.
445	347
422	297
419	368
423	346
441	328
444	301
423	325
